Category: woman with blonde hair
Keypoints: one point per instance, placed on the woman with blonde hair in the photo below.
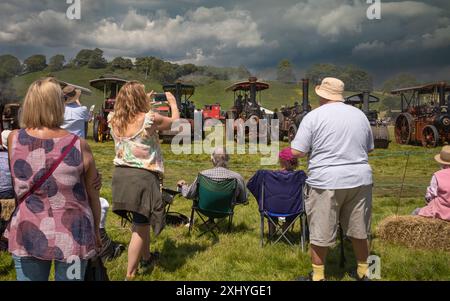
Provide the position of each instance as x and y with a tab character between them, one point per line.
138	168
54	177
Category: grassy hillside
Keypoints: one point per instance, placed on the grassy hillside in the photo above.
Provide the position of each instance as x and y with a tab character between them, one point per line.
278	94
212	92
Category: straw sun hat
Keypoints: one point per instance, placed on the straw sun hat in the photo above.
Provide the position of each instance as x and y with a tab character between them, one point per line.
71	94
444	157
331	88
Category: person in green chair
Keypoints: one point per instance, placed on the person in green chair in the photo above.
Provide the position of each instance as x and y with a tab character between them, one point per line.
220	171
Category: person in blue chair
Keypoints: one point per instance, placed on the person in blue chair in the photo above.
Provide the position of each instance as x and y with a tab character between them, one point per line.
220	171
288	165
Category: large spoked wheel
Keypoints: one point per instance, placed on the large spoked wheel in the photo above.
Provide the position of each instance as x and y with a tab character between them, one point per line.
98	130
430	136
404	128
292	132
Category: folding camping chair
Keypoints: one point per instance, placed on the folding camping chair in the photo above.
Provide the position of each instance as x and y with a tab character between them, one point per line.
280	195
216	199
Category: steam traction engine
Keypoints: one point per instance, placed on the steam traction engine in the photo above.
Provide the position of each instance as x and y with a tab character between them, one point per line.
425	117
247	107
290	117
379	127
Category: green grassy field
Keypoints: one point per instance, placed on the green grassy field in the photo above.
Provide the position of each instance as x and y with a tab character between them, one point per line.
238	255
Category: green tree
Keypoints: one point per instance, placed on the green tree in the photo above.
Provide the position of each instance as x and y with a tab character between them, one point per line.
34	63
121	63
402	80
97	61
317	72
56	62
355	79
285	72
9	67
92	58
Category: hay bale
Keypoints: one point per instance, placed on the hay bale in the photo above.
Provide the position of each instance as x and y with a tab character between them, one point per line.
8	207
416	232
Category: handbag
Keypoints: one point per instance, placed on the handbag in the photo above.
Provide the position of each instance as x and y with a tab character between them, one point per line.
96	270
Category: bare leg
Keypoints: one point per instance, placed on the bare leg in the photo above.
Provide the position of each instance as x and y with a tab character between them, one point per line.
361	249
139	242
318	254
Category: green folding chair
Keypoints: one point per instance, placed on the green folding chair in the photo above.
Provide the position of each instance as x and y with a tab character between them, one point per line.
215	200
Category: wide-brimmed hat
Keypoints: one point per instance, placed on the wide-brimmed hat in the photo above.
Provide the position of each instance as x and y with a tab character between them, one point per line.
71	94
331	89
444	157
5	135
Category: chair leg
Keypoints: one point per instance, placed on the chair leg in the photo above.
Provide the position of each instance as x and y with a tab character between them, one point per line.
302	233
262	230
191	222
230	222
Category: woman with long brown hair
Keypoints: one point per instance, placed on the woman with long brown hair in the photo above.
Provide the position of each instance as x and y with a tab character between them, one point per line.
138	168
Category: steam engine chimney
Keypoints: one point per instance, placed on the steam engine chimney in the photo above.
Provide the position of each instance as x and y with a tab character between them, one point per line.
305	103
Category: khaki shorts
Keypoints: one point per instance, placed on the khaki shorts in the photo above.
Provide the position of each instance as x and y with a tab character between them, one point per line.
352	208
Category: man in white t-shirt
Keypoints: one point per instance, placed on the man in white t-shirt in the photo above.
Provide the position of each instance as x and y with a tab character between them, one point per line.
337	139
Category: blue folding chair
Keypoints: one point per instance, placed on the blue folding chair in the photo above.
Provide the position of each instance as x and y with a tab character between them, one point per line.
280	195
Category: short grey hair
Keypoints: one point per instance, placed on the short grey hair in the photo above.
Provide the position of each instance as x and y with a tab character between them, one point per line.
220	157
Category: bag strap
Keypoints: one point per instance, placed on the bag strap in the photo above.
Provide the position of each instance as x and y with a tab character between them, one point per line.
55	165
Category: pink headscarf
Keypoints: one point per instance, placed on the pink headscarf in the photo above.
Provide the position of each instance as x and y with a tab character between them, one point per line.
286	154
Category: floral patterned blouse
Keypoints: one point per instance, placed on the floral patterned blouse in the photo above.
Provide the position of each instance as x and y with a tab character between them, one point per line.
56	221
142	150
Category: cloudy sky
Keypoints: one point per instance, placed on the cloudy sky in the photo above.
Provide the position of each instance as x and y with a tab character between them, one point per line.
412	36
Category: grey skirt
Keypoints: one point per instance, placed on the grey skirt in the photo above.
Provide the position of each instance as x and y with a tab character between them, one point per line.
138	190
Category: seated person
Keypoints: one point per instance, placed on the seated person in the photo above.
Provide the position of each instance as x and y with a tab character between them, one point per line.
76	116
6	188
288	163
110	249
220	160
438	193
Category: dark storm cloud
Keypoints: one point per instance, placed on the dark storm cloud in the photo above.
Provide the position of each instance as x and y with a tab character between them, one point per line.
412	36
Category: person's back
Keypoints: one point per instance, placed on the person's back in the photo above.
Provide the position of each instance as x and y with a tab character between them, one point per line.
61	200
341	138
75	118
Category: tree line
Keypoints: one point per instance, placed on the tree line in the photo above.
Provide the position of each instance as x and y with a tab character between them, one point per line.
355	78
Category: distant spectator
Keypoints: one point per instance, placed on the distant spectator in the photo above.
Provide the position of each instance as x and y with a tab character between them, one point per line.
438	193
54	176
220	171
76	116
6	188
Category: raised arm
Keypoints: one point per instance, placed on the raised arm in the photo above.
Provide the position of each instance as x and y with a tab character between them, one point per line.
90	180
163	122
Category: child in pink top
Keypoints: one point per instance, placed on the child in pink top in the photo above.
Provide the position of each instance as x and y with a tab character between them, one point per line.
438	193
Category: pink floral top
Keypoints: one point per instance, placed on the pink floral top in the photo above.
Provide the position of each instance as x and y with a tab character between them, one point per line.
56	221
142	150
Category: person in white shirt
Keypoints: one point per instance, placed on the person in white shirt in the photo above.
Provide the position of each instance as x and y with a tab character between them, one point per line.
76	116
337	139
